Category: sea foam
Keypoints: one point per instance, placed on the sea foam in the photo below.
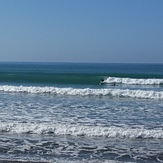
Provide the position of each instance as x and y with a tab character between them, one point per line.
85	91
134	81
79	130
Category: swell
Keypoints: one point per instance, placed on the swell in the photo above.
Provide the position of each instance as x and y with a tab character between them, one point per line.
51	78
85	91
78	78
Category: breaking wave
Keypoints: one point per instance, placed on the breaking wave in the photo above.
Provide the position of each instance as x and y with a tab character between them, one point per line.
134	81
85	91
78	130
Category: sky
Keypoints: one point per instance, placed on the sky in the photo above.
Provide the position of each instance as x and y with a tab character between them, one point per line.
109	31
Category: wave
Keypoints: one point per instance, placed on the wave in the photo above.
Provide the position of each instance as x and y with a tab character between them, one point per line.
84	92
50	78
134	81
78	130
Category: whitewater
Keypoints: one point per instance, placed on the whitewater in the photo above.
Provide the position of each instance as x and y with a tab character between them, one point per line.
78	130
86	91
133	81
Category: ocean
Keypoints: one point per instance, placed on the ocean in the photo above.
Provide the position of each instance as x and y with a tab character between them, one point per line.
61	113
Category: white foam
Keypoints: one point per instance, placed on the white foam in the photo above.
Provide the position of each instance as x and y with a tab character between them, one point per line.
134	81
79	130
86	91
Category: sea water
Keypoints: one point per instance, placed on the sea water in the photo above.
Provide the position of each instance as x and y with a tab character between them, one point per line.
59	112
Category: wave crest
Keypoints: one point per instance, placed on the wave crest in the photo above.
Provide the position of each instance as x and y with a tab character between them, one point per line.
78	130
85	92
134	81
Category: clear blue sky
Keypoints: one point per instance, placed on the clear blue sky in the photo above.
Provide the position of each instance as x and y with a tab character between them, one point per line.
81	31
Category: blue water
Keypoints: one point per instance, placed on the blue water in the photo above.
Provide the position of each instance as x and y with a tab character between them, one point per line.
59	112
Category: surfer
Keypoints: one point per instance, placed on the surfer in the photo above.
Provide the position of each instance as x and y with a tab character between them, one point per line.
102	81
114	84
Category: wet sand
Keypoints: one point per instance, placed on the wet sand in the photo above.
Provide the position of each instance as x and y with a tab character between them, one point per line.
18	161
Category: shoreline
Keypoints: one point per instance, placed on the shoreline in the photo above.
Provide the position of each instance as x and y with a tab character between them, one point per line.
20	161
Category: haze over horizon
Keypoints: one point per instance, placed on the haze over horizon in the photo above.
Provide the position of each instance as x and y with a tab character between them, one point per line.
105	31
